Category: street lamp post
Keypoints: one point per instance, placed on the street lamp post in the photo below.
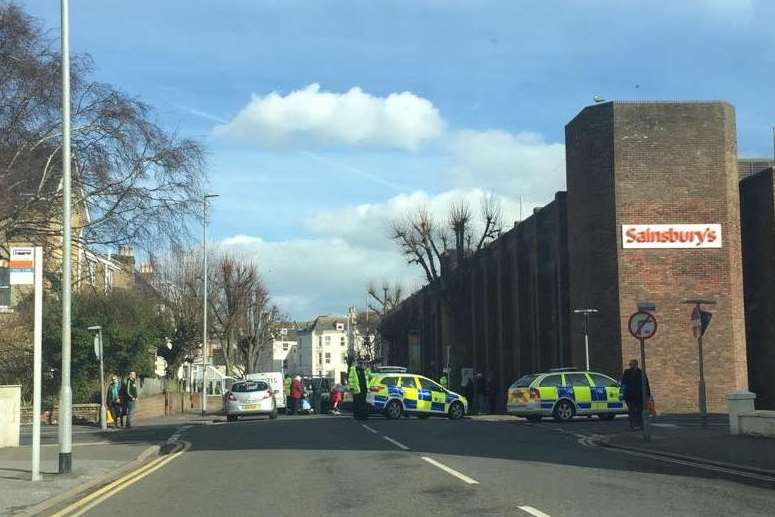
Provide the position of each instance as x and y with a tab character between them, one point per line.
65	391
100	351
586	313
701	394
205	197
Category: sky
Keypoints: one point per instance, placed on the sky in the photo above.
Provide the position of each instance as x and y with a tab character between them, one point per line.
326	120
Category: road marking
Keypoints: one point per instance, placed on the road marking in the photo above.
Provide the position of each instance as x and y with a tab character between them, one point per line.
369	429
175	437
451	471
397	444
533	511
90	501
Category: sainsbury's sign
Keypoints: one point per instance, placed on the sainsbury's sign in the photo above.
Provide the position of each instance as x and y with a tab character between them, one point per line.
671	235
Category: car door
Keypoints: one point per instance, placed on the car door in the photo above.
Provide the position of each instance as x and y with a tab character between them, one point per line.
549	388
582	392
433	396
611	398
409	392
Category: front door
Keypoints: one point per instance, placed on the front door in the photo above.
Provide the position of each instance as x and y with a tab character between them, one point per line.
409	392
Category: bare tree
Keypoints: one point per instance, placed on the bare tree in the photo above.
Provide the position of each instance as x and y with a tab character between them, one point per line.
132	180
261	323
384	299
425	242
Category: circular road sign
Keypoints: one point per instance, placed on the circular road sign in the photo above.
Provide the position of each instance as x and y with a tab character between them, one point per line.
643	325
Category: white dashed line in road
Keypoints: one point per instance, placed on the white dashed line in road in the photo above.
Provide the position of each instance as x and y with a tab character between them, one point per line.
397	444
450	471
370	429
175	437
533	511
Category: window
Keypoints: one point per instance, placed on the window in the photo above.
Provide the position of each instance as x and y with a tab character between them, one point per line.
551	381
328	340
5	286
246	387
428	384
524	381
320	357
320	340
285	346
603	381
285	364
576	379
341	340
328	358
408	382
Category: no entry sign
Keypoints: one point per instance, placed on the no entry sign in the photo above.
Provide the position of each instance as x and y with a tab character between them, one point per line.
642	325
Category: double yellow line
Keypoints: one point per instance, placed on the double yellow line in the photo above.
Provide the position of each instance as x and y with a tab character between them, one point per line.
90	501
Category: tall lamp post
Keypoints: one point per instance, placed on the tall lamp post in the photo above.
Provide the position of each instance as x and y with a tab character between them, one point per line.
205	197
99	350
586	313
65	390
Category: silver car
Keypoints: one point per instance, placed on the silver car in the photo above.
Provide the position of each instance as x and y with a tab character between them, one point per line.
249	398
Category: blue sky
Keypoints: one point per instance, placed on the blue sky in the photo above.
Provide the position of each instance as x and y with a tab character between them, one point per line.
478	92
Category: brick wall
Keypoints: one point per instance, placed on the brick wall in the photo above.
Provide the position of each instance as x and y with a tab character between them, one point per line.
757	214
660	163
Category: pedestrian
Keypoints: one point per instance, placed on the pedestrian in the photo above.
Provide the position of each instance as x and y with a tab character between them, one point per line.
130	398
114	402
336	398
287	390
468	391
480	388
297	393
633	393
444	380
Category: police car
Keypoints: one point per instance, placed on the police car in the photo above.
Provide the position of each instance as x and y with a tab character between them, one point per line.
564	393
395	394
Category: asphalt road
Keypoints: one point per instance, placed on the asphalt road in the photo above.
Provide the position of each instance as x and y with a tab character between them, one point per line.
309	466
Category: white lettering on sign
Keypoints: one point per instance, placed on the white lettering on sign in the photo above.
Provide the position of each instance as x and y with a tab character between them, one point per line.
671	235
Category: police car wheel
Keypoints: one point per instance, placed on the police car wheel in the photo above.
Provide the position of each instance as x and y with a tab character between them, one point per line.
456	411
563	411
393	410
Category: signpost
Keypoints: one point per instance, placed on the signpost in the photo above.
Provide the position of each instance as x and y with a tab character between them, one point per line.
99	352
699	322
643	326
26	267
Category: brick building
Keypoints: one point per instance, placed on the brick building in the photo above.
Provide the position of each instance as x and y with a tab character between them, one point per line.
652	213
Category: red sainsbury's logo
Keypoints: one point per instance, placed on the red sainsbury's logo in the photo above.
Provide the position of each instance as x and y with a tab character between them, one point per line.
671	236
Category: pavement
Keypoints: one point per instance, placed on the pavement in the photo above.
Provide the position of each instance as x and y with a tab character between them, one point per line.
97	456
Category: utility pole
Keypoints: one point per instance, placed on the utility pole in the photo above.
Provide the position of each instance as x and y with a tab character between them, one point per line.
37	362
586	313
205	197
65	390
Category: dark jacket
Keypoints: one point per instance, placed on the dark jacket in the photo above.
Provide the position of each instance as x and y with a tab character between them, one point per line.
131	389
631	385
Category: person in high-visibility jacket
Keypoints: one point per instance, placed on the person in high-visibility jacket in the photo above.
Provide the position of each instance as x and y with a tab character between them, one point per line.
444	381
358	383
287	388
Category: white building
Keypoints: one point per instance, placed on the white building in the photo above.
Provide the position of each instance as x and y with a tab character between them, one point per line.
284	355
323	348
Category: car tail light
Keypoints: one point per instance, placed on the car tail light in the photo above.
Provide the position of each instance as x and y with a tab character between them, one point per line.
535	394
231	396
375	389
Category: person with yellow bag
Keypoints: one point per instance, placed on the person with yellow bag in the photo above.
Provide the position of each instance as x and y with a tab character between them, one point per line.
115	407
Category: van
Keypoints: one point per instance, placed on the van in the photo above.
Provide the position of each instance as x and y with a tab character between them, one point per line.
275	381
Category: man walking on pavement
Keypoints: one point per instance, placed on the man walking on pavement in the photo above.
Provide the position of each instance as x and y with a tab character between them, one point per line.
444	381
633	393
114	402
131	397
358	382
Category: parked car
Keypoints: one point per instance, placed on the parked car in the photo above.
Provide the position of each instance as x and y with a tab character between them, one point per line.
275	380
565	393
249	398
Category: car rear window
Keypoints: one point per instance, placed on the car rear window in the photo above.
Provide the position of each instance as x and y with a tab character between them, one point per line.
247	387
524	381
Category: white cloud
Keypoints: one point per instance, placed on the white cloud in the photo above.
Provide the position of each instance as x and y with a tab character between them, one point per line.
354	118
349	249
509	164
